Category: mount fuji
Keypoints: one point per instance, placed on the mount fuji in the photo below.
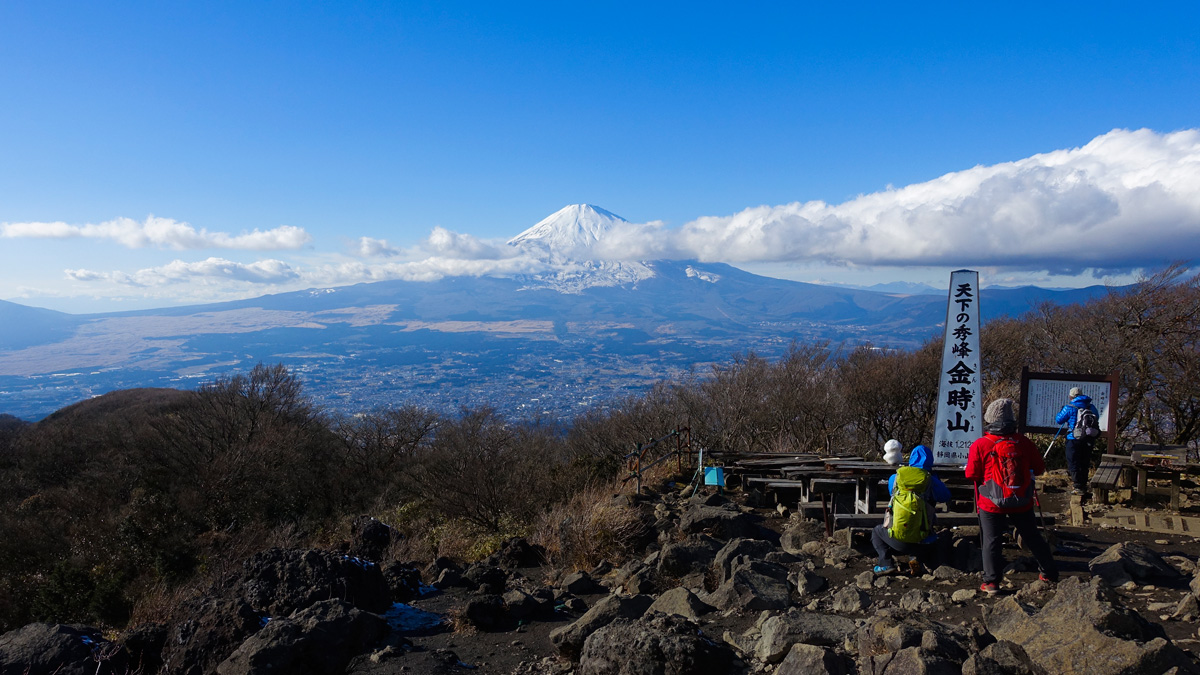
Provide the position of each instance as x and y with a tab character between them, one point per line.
582	333
570	229
565	240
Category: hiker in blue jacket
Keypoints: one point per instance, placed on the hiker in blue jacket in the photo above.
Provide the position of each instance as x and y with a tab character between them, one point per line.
1079	450
883	542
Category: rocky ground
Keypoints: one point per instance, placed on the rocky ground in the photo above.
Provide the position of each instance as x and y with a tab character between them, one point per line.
721	588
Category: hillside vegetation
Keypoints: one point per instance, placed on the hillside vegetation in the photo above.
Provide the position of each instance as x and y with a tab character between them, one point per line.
113	507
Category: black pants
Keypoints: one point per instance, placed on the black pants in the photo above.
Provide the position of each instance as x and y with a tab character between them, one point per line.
992	526
1079	458
885	545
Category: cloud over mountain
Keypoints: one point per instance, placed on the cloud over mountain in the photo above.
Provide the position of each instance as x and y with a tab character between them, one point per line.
1126	199
161	233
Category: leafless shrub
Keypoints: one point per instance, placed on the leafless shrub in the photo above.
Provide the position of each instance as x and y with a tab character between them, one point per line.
588	528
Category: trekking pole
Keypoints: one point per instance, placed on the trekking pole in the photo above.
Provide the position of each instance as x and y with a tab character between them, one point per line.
1060	430
1038	501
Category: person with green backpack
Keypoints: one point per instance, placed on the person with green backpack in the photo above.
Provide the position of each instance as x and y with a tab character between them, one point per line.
908	525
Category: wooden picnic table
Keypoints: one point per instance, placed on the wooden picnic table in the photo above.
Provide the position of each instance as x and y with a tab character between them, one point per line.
847	484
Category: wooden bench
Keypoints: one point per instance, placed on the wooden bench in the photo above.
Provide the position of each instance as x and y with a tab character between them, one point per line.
1107	477
836	495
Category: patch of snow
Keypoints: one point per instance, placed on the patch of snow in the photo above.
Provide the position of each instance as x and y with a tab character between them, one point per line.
711	278
577	276
402	617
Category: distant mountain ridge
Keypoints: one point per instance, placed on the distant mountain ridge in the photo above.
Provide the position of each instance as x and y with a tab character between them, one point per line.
539	344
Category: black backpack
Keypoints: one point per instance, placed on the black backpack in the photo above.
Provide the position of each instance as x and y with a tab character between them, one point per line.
1087	425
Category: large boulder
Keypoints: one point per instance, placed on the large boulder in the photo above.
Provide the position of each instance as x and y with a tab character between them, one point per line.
569	639
683	557
144	643
753	585
1002	658
799	533
517	552
778	633
486	612
850	599
720	522
805	659
894	630
657	644
1084	629
736	548
370	538
580	583
403	581
807	583
1131	561
46	648
320	639
912	661
212	630
278	581
681	602
487	578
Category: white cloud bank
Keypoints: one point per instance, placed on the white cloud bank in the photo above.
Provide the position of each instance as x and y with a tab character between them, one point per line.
161	233
1126	199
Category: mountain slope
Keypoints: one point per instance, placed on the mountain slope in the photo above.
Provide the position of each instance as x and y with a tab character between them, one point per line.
22	326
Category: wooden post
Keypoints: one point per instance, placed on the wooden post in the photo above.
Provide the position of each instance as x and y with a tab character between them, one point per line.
639	469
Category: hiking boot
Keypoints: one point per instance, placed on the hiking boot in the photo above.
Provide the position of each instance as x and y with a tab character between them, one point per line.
1077	492
989	588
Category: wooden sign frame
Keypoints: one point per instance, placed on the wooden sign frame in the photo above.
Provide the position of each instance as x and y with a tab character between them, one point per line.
1066	380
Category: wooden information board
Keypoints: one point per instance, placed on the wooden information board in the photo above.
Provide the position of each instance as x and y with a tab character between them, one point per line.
1044	394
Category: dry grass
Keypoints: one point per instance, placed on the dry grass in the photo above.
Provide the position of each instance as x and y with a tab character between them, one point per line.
589	528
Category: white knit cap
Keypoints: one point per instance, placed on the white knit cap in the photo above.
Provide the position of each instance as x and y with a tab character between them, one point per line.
893	452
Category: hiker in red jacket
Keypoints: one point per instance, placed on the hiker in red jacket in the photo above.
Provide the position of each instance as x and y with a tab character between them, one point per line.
1002	464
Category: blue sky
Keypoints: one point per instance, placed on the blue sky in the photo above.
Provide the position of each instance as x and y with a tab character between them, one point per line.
773	138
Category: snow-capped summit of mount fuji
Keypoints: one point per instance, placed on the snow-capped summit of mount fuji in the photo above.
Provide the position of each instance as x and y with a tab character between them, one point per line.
572	228
564	239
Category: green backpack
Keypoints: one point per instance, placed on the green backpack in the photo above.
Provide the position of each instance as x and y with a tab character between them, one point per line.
910	514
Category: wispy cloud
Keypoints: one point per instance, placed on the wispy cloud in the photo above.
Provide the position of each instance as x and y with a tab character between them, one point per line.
446	244
162	233
279	273
216	270
369	247
1126	199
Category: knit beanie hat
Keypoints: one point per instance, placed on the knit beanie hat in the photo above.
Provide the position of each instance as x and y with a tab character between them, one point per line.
893	452
1075	391
1001	416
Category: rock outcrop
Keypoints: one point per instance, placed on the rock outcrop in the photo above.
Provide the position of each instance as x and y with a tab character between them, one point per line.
1085	629
657	643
